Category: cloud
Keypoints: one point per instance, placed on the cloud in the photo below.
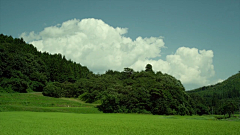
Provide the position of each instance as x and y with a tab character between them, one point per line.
95	44
191	65
188	65
100	47
217	81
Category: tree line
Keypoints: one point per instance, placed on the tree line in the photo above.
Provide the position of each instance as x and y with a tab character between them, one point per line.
25	69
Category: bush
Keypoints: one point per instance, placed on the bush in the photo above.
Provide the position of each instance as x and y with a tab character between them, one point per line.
37	86
52	91
182	110
219	117
15	84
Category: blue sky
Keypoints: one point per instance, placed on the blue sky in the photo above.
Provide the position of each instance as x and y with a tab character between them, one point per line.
182	30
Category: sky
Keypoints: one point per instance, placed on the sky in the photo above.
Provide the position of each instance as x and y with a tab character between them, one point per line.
196	41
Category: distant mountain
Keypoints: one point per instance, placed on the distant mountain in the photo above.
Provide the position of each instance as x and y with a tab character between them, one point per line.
221	98
229	88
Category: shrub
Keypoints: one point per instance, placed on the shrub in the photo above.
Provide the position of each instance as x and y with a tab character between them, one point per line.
52	90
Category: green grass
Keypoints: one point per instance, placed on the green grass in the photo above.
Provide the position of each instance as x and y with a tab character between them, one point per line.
42	123
33	113
37	99
36	102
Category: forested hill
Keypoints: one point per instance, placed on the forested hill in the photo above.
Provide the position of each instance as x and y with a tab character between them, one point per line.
229	88
221	97
24	69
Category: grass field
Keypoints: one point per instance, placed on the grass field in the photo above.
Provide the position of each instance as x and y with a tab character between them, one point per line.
32	113
38	103
43	123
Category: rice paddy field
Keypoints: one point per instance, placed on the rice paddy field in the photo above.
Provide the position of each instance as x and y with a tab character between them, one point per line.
84	119
42	123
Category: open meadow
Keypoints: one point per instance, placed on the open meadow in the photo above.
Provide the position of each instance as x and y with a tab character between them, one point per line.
32	113
43	123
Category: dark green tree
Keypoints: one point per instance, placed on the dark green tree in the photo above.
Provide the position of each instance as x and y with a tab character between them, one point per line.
148	68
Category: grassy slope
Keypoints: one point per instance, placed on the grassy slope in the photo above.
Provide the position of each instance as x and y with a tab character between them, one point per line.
118	124
39	103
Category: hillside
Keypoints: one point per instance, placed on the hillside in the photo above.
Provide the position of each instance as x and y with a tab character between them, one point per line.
24	69
36	102
224	94
229	88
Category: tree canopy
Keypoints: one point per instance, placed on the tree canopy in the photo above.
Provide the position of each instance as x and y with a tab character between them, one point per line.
24	69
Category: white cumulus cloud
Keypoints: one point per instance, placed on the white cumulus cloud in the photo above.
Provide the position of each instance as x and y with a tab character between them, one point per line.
100	47
189	65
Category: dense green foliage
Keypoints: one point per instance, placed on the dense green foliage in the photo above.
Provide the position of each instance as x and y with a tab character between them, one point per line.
128	92
222	98
24	69
18	123
146	92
